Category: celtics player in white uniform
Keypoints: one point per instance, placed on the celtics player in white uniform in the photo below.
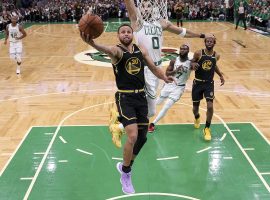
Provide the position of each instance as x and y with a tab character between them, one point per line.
180	68
15	33
150	36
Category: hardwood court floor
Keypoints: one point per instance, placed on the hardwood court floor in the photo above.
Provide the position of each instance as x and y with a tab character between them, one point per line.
53	85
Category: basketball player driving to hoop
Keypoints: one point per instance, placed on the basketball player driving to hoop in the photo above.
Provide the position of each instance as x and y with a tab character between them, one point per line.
148	21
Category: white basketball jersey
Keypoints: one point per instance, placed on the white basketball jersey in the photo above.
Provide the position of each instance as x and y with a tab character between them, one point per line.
150	37
182	77
14	32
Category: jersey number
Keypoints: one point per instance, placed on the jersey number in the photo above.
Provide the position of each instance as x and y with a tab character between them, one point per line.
155	42
178	75
13	35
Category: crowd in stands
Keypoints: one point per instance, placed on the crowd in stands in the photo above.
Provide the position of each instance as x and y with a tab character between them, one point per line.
259	13
72	10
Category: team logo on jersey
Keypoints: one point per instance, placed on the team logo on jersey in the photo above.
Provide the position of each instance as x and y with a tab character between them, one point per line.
207	65
99	59
133	66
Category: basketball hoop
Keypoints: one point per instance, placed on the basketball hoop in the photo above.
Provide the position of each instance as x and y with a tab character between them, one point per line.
152	10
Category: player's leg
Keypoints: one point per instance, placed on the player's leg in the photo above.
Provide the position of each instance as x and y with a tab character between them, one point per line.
142	120
12	52
237	22
18	56
173	93
128	117
209	96
168	104
151	85
197	95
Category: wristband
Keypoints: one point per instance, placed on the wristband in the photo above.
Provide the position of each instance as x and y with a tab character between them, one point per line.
183	33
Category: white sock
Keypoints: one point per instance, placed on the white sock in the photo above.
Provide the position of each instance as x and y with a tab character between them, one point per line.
164	110
121	126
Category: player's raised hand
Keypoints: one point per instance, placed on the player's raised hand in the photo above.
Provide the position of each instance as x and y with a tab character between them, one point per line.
194	66
222	80
170	79
86	38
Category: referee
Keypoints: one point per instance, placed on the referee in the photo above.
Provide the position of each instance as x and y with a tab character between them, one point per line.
241	15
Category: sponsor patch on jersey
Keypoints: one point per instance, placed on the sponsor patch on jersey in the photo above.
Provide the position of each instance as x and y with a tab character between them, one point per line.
95	58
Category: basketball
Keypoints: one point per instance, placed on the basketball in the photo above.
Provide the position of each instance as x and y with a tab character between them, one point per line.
91	24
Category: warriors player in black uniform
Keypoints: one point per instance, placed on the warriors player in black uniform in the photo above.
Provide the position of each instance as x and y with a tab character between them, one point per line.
205	63
128	62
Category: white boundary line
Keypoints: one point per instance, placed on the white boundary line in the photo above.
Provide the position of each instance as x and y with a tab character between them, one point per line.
11	157
240	147
265	173
153	194
114	158
263	136
228	158
62	139
249	149
50	146
168	158
85	152
200	151
223	137
26	178
62	161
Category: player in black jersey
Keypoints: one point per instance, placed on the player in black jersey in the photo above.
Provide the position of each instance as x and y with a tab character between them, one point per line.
205	63
128	62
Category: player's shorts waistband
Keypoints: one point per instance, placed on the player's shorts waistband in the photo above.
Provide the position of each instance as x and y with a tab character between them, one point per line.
158	63
181	85
131	91
200	80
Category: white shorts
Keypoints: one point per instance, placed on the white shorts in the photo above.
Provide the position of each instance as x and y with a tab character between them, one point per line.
151	83
15	50
172	91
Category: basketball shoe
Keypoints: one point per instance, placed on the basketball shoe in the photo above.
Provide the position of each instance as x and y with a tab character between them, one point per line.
125	180
151	128
207	134
115	129
197	123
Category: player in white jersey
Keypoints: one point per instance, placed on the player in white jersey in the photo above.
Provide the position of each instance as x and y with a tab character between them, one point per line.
15	33
149	35
180	68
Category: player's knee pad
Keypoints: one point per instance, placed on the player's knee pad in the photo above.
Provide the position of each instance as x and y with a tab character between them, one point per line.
141	139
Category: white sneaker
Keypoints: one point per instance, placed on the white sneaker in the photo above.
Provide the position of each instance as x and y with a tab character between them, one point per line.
18	70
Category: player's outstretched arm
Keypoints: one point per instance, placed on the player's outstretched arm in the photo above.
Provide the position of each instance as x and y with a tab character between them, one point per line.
113	52
167	25
194	62
132	11
155	70
217	70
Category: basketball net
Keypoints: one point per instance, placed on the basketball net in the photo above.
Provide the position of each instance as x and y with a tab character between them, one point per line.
159	10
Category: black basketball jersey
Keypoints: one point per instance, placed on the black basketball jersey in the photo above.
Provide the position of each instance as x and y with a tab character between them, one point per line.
129	70
207	65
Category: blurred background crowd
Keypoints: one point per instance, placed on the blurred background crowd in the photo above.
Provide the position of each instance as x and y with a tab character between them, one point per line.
257	11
